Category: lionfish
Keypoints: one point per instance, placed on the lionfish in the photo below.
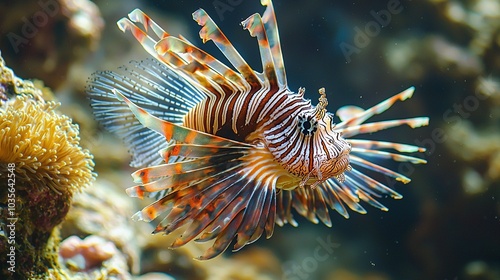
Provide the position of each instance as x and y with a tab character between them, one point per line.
238	149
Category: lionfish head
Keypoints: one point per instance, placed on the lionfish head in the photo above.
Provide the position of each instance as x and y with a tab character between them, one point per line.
331	156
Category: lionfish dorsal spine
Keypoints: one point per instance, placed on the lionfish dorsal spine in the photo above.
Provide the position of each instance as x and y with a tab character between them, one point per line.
271	28
210	31
256	28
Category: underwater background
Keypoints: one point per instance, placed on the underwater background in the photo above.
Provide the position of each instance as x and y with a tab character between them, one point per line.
447	226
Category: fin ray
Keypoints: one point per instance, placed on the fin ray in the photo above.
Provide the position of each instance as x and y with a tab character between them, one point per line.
386	155
271	27
371	144
375	110
173	131
256	28
210	31
377	126
377	168
153	86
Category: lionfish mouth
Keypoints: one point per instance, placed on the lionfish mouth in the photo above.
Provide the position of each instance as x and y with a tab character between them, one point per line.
343	163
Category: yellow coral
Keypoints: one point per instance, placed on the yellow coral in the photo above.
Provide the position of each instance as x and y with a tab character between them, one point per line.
44	146
49	167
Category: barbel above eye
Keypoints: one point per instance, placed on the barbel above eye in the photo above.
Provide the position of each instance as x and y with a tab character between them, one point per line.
331	117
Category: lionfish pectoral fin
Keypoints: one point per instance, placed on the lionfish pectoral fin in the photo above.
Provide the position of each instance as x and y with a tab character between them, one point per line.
220	197
221	189
377	126
374	145
196	151
377	109
348	112
284	208
256	215
387	155
313	204
358	186
377	168
363	152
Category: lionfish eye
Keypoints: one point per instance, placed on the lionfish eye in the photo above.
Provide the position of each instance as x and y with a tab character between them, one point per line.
307	125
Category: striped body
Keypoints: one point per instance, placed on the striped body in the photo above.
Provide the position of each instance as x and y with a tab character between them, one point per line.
238	149
272	122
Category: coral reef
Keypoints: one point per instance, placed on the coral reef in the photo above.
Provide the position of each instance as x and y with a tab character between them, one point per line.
41	167
180	263
10	86
102	210
93	258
